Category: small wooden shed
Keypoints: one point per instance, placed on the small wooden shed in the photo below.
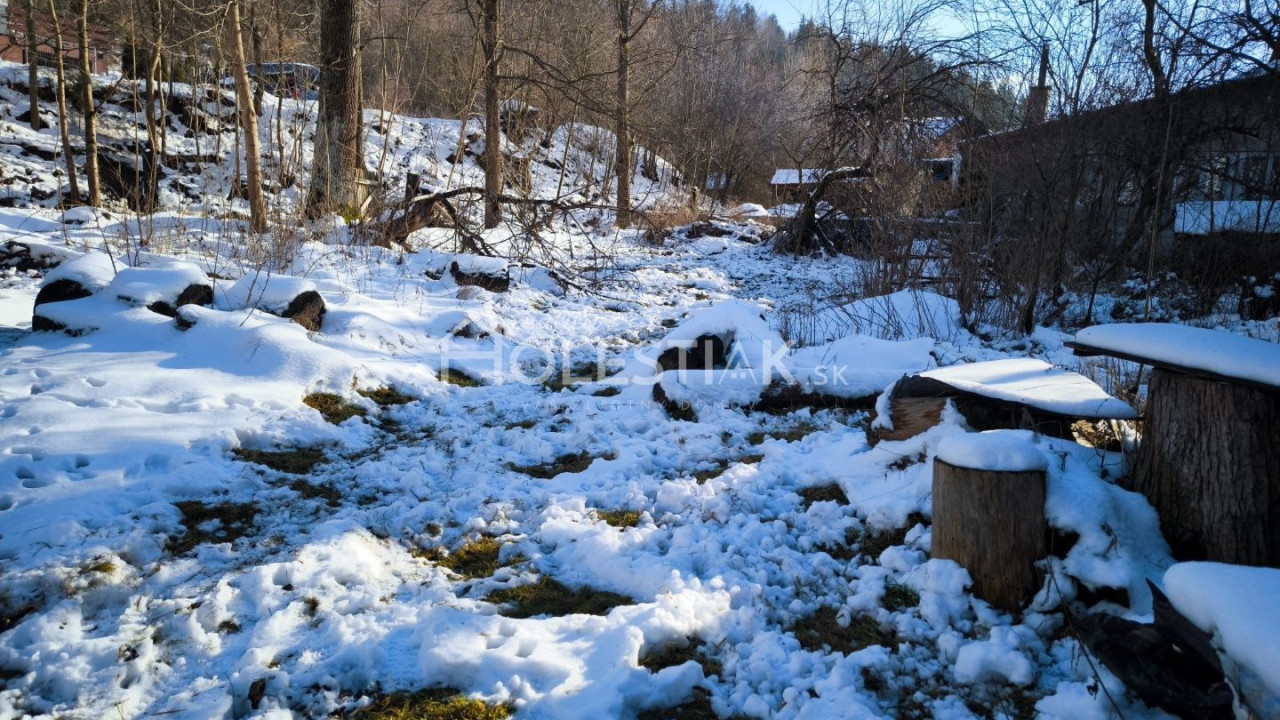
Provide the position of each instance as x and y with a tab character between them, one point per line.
1209	460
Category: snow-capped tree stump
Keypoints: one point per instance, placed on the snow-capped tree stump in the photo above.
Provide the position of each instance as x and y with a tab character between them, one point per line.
988	513
1208	463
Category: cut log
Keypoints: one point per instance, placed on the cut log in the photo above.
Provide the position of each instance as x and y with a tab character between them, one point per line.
1002	394
991	522
1210	464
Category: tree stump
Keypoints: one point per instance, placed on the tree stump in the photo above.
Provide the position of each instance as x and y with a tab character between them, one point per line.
991	521
1209	464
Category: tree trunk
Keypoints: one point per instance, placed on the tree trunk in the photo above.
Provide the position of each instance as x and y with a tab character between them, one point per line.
992	524
622	114
339	147
33	70
90	108
803	236
248	125
492	115
1210	465
64	125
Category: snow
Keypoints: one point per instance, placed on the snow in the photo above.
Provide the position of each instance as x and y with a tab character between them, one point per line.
994	450
1034	383
92	270
858	365
1208	217
267	291
1215	351
794	176
1237	605
145	285
330	594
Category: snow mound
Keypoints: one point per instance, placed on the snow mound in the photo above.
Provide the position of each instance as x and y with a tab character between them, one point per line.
695	388
143	286
749	341
1238	606
1213	351
904	315
859	365
995	450
92	270
1034	383
272	293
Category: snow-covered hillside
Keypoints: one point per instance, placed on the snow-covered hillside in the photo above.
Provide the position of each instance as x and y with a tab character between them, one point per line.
220	513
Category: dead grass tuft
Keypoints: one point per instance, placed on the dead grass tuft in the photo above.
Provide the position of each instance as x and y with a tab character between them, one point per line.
821	631
387	396
696	708
548	597
898	597
333	408
822	493
327	492
222	522
568	463
875	543
433	704
298	461
620	518
459	378
475	559
679	654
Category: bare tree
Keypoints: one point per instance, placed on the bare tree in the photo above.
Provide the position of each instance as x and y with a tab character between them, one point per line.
491	43
338	167
64	126
90	107
248	115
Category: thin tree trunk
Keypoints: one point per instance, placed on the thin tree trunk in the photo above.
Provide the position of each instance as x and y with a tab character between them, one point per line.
492	116
64	126
339	150
90	108
248	124
622	114
33	70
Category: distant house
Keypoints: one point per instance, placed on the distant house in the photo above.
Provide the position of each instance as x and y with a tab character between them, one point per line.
1222	144
15	46
792	184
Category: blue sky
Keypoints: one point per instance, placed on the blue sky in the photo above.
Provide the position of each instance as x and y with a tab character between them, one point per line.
788	11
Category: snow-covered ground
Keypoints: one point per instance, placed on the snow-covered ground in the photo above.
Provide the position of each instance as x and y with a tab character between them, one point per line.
151	565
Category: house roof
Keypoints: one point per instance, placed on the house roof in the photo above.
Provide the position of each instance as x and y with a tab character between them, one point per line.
793	176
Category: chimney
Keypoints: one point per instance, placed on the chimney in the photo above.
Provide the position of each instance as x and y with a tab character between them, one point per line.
1038	98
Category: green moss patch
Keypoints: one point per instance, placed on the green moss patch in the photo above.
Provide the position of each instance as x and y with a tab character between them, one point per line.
297	461
333	408
433	704
222	522
387	396
548	597
459	378
568	463
620	518
820	631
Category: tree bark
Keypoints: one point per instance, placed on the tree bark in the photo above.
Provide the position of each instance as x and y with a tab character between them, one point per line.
90	108
64	126
33	70
1210	465
492	115
992	524
248	125
339	147
622	114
